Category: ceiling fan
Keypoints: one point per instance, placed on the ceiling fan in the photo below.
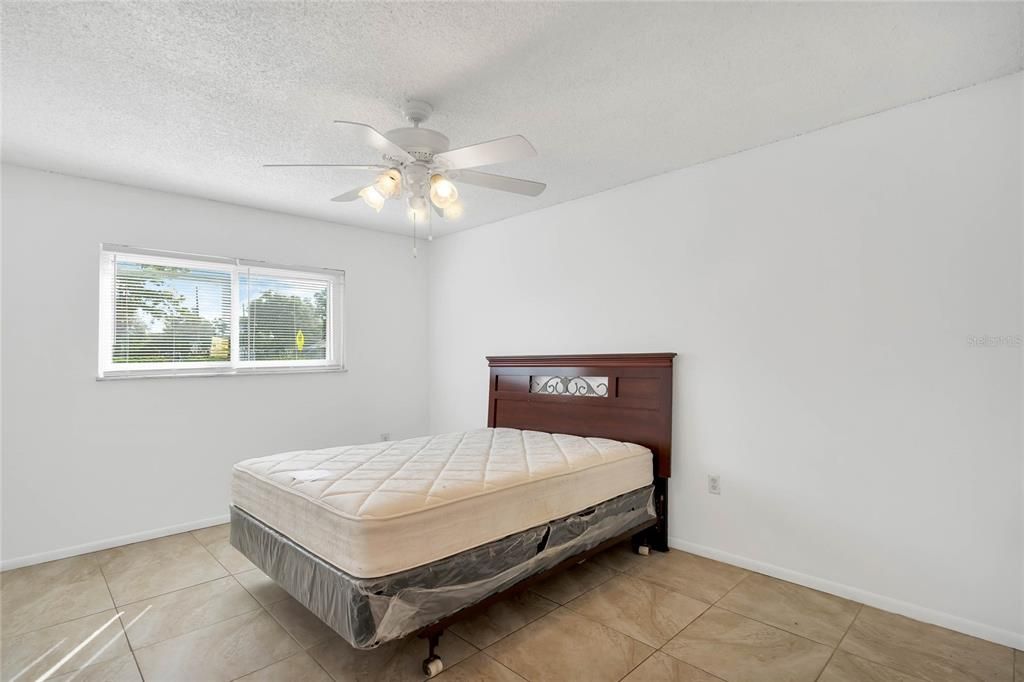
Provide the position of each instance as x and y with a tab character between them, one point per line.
417	163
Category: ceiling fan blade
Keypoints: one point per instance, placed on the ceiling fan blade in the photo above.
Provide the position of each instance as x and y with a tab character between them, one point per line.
500	182
353	166
378	141
511	148
350	195
436	209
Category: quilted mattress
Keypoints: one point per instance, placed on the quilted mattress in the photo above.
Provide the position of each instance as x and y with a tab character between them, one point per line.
376	509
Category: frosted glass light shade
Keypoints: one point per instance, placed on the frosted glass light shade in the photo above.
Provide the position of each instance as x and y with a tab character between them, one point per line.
443	192
372	197
389	184
418	210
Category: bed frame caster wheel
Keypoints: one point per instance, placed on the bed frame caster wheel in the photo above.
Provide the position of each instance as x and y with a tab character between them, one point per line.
433	666
643	550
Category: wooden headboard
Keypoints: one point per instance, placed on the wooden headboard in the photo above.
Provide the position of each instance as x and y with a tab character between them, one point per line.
626	397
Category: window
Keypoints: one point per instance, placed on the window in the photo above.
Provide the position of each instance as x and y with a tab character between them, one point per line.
170	314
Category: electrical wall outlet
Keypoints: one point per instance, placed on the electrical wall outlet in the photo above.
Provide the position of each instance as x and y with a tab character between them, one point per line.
385	436
714	484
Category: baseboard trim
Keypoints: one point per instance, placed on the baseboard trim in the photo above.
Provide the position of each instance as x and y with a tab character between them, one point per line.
921	613
66	552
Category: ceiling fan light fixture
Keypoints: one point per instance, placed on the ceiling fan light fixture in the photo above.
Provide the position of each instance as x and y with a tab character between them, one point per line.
417	165
443	191
389	183
373	198
453	211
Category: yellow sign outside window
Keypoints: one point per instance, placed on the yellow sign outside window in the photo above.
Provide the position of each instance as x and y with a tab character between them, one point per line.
300	339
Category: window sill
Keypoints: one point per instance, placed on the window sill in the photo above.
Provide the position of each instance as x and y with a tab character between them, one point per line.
177	374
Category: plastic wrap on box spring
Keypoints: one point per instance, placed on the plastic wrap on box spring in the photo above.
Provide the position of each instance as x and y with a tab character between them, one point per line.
370	611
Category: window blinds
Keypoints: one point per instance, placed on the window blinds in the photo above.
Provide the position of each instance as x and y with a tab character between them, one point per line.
282	318
170	313
167	314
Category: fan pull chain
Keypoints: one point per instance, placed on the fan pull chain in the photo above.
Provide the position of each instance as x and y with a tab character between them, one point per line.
430	226
414	235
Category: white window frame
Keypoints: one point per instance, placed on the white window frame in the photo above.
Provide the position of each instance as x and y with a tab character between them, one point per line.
108	369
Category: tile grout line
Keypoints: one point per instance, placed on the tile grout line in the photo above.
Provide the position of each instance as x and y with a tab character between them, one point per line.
695	667
131	647
860	608
692	665
869	660
788	632
260	607
120	618
15	635
272	663
853	620
252	566
265	610
484	653
191	534
714	604
182	589
617	573
207	549
250	593
608	627
138	667
319	665
99	567
613	574
742	580
645	659
117	607
529	622
656	648
302	649
749	573
177	589
288	632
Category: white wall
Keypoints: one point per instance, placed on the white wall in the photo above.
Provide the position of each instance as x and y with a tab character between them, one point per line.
820	292
85	461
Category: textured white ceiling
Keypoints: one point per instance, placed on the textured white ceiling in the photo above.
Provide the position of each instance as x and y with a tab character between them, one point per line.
193	97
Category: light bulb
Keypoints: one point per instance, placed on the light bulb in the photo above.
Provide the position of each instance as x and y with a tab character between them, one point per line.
453	211
442	192
418	209
389	183
372	197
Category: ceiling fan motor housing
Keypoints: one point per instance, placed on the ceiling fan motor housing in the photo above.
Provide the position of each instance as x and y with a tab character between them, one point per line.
421	143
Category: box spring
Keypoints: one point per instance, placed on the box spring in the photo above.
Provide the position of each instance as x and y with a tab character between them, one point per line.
370	611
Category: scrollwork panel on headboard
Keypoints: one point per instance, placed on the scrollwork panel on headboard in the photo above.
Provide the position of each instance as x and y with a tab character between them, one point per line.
589	387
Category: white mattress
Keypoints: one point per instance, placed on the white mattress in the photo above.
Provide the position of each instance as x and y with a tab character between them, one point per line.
372	510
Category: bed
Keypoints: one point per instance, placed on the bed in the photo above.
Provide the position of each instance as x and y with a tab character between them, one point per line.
388	539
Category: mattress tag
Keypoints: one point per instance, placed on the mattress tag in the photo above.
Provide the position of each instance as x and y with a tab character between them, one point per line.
310	474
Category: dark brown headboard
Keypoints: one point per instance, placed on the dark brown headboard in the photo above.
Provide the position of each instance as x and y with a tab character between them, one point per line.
634	405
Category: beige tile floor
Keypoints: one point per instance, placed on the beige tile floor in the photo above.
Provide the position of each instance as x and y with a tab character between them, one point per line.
189	608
